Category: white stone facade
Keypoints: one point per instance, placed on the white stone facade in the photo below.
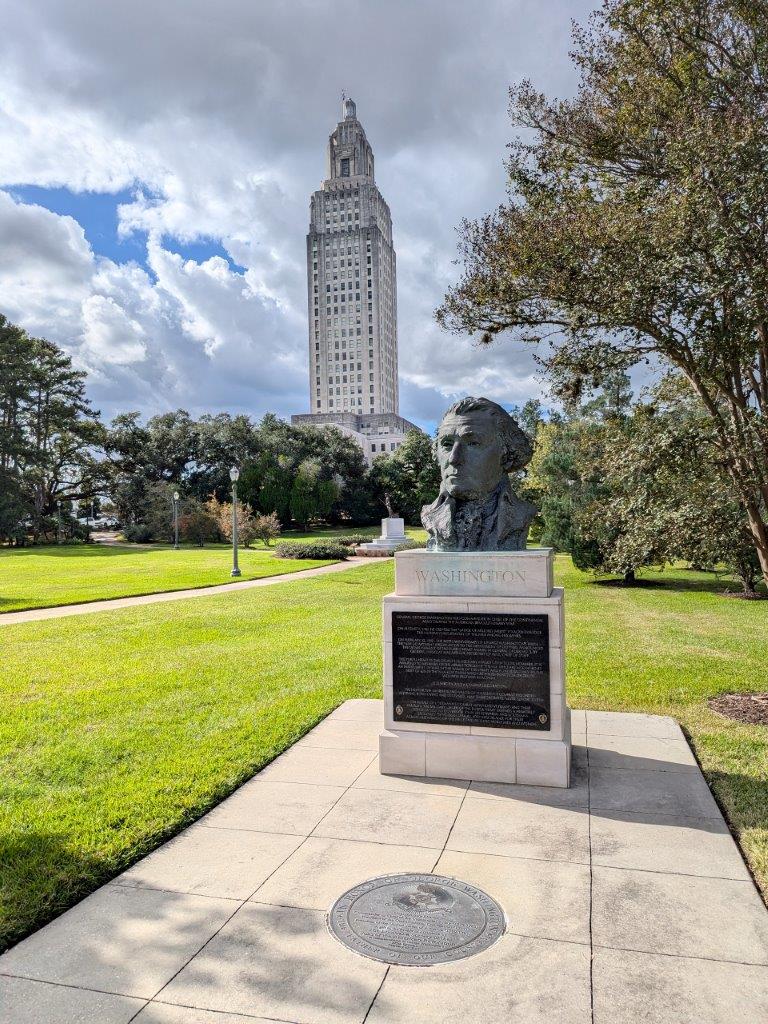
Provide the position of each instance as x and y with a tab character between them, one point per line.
352	299
351	282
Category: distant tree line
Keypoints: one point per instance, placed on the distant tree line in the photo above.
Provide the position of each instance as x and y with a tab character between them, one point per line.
56	455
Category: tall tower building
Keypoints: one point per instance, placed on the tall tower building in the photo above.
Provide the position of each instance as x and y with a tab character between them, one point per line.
352	296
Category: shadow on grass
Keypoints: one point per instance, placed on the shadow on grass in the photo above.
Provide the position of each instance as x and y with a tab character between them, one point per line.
41	877
667	584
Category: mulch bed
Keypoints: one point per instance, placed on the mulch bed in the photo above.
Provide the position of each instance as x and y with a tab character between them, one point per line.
751	708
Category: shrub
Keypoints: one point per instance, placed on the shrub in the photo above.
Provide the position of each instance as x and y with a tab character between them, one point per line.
197	524
410	545
315	549
138	533
353	539
266	528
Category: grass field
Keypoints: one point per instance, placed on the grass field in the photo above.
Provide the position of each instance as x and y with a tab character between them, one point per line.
121	727
47	576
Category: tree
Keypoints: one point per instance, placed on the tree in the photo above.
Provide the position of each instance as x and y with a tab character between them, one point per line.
407	479
221	513
304	499
635	227
50	438
665	490
196	523
266	528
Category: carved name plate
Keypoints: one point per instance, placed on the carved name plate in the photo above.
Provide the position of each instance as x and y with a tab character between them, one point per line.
474	573
455	668
416	919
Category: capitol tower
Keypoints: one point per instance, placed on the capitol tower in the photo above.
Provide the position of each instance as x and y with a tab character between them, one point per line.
352	298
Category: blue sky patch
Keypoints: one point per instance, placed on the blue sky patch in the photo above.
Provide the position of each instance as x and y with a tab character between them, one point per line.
96	213
200	250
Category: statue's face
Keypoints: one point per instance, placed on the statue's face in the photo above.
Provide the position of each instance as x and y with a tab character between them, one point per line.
470	453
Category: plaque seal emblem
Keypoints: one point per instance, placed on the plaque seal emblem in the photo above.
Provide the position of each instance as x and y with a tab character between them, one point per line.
416	920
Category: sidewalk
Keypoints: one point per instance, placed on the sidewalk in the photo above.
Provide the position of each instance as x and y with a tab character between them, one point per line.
34	614
625	897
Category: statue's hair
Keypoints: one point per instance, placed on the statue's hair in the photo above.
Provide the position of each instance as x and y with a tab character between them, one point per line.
517	447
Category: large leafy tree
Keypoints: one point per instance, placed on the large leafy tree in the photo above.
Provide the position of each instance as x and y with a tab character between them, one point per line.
50	437
408	478
637	222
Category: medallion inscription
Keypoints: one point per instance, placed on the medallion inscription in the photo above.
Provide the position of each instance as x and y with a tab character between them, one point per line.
416	919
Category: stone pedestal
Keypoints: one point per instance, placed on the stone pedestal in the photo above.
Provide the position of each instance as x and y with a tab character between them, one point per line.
474	673
392	536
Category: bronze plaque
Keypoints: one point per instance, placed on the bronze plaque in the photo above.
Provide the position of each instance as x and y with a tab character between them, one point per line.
416	920
457	668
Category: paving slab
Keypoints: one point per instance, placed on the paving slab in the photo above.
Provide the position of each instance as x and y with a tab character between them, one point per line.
121	940
577	794
633	987
279	962
628	882
541	899
405	819
680	915
228	863
650	753
665	842
266	806
340	735
619	723
37	1002
318	766
517	979
636	791
322	869
165	1013
540	831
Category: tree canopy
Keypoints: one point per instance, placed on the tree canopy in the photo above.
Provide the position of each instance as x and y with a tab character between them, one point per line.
637	221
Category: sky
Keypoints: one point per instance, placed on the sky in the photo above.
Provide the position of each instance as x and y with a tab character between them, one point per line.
157	161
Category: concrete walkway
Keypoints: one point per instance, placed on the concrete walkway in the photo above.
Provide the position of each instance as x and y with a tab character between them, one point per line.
34	614
625	896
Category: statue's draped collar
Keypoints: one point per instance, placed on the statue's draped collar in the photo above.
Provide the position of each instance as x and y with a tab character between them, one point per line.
498	522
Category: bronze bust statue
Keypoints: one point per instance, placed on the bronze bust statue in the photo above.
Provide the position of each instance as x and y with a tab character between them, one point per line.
478	444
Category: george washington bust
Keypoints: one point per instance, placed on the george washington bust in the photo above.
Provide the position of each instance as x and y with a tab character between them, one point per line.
478	444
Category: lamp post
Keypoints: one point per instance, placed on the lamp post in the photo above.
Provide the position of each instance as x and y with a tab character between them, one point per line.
234	476
175	520
58	522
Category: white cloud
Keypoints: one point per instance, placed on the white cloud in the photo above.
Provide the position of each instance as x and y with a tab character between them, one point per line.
217	116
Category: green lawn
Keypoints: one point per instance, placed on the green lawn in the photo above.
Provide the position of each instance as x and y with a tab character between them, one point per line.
47	576
42	577
121	727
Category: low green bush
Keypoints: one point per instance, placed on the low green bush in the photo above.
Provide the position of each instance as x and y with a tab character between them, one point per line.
351	540
138	533
409	545
315	549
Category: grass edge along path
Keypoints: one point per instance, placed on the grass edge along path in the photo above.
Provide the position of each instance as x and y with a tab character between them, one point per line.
50	577
121	728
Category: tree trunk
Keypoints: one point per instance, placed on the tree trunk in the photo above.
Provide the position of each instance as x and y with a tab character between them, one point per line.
629	578
759	532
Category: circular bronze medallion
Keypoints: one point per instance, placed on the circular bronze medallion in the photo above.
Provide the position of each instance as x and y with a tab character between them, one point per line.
416	920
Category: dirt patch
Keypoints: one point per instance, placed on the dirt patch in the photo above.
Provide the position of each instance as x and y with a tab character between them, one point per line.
751	708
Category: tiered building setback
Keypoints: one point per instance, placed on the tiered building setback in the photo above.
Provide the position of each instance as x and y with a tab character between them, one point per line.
352	297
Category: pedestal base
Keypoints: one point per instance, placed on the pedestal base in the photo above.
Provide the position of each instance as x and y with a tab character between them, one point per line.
474	669
527	762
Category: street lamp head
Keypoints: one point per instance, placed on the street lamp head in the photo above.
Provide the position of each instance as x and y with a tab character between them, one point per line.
175	495
234	474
